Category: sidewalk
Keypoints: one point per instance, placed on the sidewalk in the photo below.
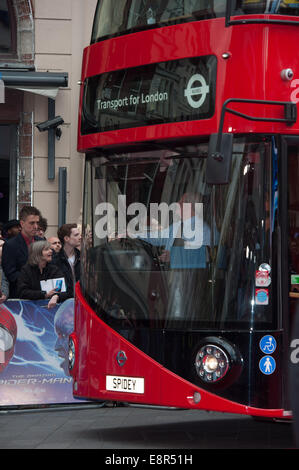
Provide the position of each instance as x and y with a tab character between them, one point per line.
127	427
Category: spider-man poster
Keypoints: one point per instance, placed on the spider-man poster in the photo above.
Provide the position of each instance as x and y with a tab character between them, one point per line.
34	353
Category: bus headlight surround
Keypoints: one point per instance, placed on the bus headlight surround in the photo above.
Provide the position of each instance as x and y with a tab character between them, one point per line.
212	363
217	361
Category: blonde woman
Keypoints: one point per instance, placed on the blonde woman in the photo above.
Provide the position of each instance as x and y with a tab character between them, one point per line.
39	268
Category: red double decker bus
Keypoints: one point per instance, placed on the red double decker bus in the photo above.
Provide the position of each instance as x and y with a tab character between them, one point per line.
189	103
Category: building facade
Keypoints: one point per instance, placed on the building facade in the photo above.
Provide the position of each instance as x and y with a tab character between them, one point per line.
41	45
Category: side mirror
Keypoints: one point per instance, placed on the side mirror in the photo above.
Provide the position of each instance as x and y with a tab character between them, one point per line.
219	158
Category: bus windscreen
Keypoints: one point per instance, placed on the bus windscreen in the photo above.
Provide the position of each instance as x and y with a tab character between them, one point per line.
161	247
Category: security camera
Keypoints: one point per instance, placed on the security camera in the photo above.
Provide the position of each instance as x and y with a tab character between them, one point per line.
50	124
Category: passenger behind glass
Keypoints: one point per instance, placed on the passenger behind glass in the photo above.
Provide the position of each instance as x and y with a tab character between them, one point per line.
186	239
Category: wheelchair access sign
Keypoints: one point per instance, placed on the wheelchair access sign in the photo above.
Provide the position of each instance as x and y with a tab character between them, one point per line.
268	344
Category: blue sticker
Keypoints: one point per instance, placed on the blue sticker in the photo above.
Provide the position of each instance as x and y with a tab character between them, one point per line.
267	365
268	344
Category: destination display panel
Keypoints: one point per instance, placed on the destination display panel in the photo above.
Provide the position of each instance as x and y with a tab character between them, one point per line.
173	91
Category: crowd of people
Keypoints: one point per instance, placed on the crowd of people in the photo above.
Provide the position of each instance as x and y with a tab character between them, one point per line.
34	267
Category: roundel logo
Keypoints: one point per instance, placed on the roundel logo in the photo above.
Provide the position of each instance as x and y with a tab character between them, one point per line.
192	92
121	358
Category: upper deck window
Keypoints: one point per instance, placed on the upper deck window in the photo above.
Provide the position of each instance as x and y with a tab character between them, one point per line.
117	17
269	7
7	29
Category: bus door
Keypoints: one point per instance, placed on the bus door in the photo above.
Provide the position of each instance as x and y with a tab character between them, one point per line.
292	148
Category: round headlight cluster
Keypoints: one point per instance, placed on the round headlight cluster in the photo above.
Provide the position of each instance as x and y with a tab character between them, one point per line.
211	363
72	354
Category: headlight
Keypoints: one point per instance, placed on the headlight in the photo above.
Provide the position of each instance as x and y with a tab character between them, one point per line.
72	354
211	363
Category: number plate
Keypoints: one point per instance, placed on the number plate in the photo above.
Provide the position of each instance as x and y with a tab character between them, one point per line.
116	383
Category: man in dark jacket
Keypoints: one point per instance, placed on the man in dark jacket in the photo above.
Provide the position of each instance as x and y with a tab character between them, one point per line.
68	258
15	250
